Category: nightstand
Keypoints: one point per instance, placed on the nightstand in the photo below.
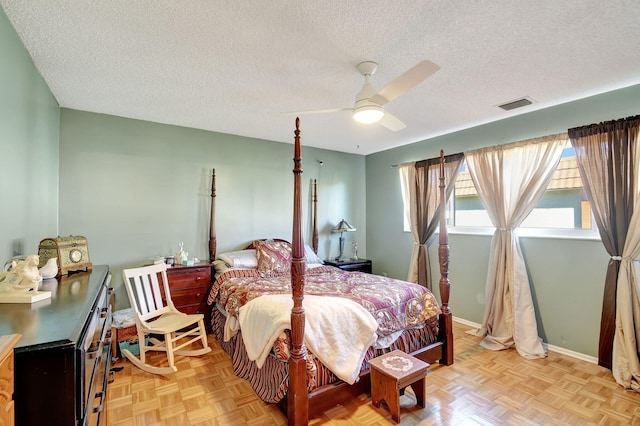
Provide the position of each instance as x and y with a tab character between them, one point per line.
360	265
189	286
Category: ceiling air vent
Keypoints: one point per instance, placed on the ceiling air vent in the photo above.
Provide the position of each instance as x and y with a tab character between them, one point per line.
515	104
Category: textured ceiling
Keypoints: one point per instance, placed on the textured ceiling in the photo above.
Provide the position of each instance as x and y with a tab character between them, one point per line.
235	66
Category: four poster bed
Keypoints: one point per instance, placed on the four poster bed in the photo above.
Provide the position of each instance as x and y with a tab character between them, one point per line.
350	317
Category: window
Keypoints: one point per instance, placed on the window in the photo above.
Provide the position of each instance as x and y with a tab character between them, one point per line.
562	211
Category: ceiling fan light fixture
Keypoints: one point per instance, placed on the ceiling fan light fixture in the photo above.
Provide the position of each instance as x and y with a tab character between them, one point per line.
369	104
368	114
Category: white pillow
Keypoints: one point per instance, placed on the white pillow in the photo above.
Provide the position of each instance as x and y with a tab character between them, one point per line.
241	259
312	258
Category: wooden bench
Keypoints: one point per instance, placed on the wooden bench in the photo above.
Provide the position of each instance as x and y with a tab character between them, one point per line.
391	373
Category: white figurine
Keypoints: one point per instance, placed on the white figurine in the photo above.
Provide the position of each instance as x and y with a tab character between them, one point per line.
25	275
181	255
50	269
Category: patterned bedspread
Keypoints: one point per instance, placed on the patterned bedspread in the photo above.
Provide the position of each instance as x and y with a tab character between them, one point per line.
396	305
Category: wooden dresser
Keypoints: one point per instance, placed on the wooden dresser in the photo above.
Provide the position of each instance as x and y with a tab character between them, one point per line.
63	360
189	287
7	409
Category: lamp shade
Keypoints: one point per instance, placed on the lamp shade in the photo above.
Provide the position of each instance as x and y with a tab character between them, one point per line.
368	113
343	226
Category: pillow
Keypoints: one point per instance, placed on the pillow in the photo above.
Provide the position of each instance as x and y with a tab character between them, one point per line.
220	267
274	257
242	259
312	257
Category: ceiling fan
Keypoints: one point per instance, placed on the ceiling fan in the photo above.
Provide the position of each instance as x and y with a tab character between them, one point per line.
368	106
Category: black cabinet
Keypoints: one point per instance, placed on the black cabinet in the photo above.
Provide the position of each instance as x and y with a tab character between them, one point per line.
63	360
360	265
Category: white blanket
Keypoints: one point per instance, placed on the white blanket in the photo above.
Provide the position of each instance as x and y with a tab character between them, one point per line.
337	330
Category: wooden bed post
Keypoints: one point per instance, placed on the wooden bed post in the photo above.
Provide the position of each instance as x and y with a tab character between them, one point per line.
314	240
212	224
446	318
298	398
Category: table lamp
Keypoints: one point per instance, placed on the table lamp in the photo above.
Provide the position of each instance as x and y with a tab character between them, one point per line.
342	227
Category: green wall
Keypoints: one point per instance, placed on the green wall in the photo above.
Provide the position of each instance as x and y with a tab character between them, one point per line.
567	275
29	124
136	189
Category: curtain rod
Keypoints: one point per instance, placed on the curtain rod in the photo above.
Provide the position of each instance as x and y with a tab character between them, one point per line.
430	159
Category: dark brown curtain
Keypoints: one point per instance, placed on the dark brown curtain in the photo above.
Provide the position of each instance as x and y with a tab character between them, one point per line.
605	154
427	181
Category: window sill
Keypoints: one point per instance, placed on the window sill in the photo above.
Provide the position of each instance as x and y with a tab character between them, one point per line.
560	234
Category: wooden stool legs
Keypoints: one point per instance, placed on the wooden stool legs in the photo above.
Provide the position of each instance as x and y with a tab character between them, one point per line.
420	389
386	388
391	374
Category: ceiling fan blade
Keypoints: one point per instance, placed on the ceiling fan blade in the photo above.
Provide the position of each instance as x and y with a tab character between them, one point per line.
402	84
317	111
391	122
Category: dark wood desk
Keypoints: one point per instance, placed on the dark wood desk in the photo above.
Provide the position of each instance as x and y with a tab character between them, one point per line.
63	360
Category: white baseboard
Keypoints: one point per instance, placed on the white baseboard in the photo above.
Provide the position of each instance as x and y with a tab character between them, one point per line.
466	322
552	348
573	354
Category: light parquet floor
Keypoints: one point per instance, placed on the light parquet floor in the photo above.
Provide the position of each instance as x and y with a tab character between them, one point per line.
481	388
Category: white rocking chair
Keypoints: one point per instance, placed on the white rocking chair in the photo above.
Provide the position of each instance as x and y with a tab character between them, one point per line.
155	315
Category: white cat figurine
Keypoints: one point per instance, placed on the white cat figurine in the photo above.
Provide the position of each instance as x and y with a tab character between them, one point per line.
25	275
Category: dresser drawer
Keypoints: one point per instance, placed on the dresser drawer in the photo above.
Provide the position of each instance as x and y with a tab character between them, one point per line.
200	308
188	278
183	298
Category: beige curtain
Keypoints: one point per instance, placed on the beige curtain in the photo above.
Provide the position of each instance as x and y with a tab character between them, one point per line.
420	183
626	343
608	160
510	179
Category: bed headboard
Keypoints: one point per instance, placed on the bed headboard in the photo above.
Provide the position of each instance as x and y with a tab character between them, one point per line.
212	221
251	245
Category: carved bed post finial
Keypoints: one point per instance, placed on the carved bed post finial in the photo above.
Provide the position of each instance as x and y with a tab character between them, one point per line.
212	224
443	249
314	240
297	398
